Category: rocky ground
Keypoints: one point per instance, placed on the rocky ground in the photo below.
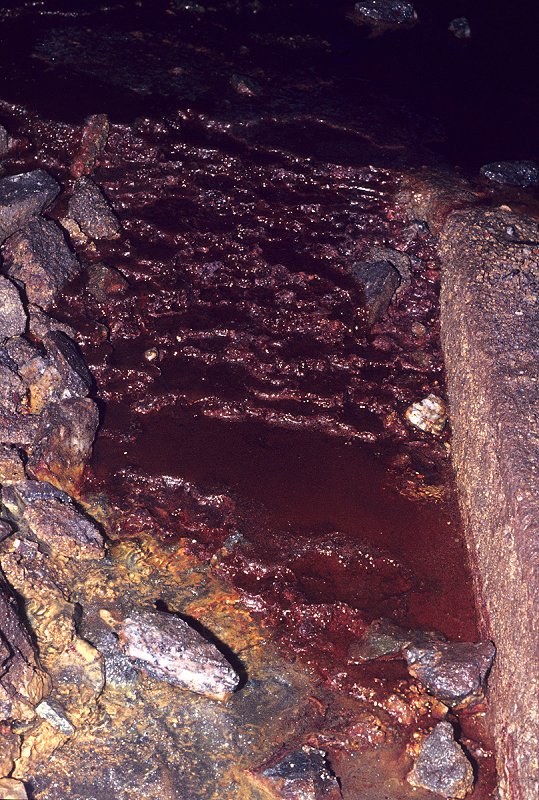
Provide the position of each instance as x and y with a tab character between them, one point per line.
257	585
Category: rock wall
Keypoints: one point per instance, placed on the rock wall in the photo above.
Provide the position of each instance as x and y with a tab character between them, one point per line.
489	321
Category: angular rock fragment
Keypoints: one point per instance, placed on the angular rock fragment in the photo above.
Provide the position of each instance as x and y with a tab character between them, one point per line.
104	281
454	672
11	466
20	495
512	173
61	374
39	258
22	681
382	15
41	324
92	212
460	28
20	350
23	197
171	650
378	280
382	638
301	775
55	716
94	138
54	520
5	529
63	443
441	766
11	789
12	314
17	429
429	414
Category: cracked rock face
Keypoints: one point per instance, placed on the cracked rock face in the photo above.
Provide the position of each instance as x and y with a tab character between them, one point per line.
454	672
38	257
441	766
171	650
53	518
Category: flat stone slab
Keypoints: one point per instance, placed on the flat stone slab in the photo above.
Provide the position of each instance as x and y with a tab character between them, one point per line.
22	197
489	324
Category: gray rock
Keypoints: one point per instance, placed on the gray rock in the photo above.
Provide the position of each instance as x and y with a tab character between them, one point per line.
441	766
11	465
454	672
104	281
22	682
12	789
382	638
301	775
59	374
55	716
22	197
92	212
65	355
17	429
384	14
4	141
378	280
460	28
12	314
39	258
512	173
41	324
171	650
22	494
12	389
55	521
20	350
63	442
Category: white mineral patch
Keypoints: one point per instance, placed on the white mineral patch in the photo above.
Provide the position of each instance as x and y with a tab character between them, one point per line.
428	415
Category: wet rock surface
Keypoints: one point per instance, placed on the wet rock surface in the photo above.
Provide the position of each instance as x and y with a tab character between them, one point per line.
382	15
63	442
13	320
90	209
23	197
38	258
170	649
442	766
379	281
302	775
455	672
512	173
491	267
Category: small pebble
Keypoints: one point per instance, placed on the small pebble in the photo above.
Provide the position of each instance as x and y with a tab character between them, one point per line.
428	415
